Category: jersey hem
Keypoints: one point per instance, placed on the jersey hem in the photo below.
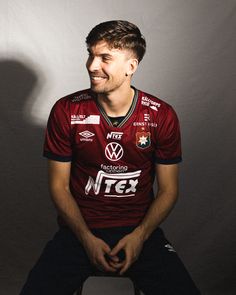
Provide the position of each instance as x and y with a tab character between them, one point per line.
55	157
100	225
169	161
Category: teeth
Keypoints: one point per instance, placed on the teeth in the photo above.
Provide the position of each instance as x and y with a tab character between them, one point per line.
97	78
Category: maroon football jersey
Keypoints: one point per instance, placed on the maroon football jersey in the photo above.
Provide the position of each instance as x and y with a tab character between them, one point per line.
113	168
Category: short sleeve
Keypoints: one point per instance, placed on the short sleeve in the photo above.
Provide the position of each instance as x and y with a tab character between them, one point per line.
57	144
168	149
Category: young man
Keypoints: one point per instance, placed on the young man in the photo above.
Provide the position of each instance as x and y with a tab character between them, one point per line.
105	145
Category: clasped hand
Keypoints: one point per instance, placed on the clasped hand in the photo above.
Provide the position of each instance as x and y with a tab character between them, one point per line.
106	259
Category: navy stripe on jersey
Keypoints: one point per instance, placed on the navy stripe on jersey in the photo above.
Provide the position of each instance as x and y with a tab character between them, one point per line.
55	157
169	161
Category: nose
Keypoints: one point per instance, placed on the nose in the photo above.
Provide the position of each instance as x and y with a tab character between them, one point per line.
93	63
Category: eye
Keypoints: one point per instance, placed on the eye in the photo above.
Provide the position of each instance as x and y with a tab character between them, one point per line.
106	58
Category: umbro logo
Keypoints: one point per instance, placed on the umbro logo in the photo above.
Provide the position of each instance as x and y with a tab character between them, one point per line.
86	135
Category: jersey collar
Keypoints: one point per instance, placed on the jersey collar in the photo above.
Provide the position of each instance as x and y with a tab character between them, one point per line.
126	117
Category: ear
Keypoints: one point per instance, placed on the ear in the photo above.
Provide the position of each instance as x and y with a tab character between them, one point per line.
132	66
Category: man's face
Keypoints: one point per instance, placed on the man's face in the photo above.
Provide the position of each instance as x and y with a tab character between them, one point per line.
107	68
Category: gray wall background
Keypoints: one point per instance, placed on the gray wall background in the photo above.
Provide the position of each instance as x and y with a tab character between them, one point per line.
190	63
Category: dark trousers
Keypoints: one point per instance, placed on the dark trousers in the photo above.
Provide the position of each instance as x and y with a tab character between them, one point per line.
64	266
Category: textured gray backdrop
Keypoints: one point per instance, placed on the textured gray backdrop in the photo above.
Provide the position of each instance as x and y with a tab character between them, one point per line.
190	63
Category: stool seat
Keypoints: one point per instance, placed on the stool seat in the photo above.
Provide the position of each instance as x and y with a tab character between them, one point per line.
105	274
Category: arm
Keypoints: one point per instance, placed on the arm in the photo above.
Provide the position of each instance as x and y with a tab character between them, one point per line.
167	194
59	178
167	179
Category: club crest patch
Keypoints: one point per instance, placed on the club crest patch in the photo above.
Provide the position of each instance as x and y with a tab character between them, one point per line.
143	139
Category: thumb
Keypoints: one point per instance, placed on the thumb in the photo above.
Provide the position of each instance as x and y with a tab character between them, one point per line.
116	249
106	248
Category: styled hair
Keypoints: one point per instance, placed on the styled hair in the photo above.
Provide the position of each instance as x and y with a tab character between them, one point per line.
119	34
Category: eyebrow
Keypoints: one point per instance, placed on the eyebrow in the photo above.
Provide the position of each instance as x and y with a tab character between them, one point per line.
106	55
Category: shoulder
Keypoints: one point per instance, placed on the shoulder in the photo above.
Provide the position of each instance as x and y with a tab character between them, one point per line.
74	99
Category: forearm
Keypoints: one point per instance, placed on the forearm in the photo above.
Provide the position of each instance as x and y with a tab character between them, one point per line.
158	211
96	248
68	209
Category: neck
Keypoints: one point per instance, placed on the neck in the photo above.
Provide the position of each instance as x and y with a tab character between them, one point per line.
116	104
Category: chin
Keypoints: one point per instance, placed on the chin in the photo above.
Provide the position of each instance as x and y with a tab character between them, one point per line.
97	89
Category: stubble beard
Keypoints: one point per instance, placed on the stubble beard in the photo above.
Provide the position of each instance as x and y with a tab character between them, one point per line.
98	90
103	89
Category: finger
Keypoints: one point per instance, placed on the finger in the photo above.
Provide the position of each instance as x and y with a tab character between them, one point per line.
116	265
105	265
114	258
127	263
106	248
116	249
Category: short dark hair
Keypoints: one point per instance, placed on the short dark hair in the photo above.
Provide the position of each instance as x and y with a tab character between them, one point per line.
119	34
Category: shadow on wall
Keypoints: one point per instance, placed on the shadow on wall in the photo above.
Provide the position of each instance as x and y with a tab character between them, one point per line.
26	213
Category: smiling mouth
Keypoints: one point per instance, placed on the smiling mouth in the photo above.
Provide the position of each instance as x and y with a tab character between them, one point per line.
96	77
